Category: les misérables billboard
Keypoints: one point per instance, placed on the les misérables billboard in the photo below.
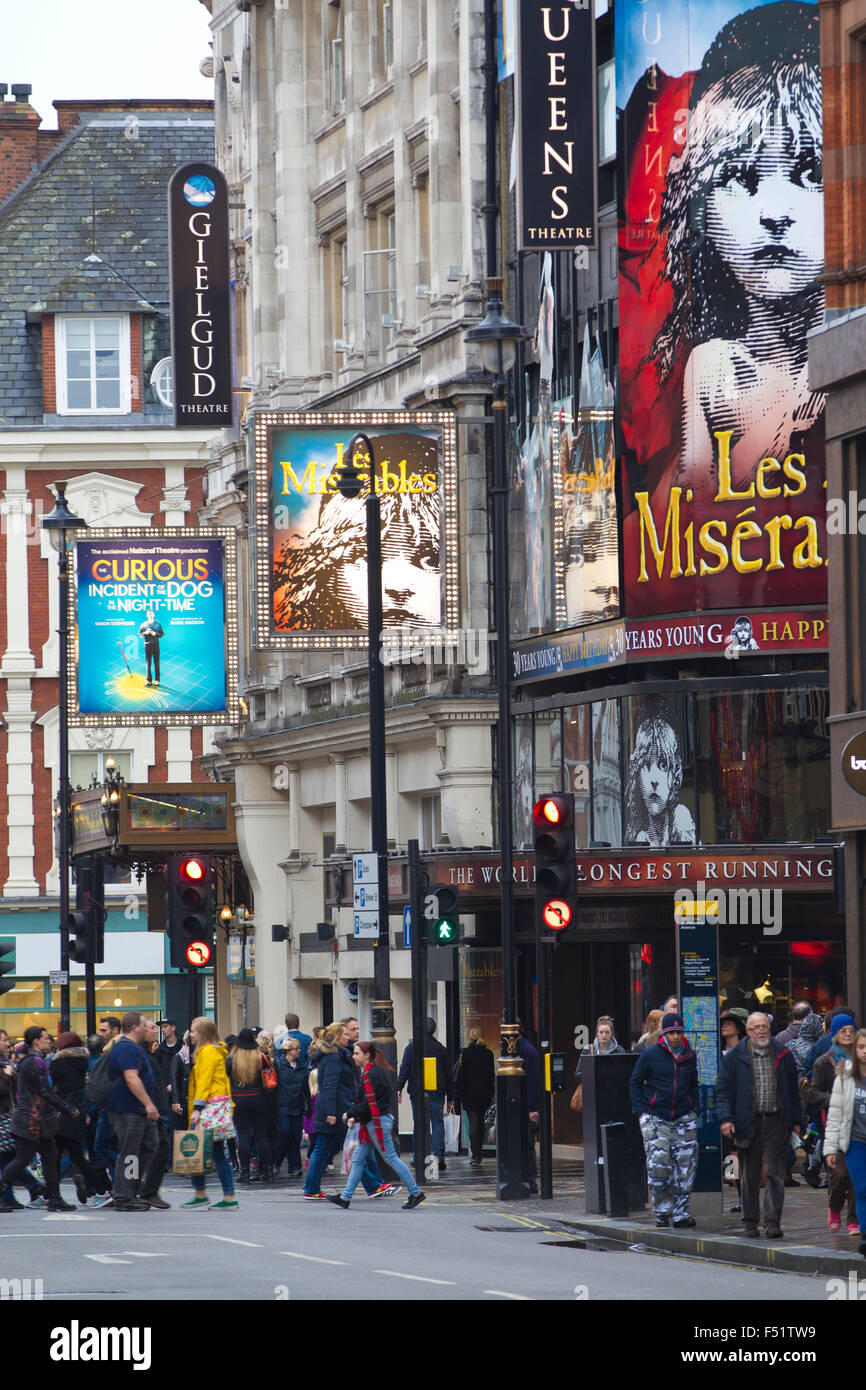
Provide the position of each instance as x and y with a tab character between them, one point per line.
154	613
721	252
311	579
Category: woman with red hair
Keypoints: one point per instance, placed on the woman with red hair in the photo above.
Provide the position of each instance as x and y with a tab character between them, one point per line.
372	1110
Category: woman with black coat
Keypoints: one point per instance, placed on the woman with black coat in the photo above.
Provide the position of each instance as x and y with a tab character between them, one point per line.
35	1119
336	1093
244	1069
371	1110
68	1075
474	1085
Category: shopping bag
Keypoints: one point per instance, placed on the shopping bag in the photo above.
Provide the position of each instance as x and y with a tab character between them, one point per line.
452	1133
350	1144
193	1151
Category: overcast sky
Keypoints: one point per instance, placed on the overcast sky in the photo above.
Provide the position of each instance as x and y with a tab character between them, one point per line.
95	49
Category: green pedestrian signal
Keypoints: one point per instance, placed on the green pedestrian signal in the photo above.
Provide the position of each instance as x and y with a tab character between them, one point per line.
442	917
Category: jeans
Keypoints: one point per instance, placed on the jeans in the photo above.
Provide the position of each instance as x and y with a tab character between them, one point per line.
104	1152
855	1160
288	1142
325	1148
137	1143
26	1179
223	1171
25	1152
388	1152
435	1121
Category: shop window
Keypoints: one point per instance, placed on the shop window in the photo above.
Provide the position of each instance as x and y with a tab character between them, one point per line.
114	996
764	769
575	765
607	772
524	783
660	779
774	976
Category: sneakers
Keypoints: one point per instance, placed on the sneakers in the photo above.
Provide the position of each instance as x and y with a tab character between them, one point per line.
385	1189
39	1201
314	1196
853	1228
834	1220
414	1201
341	1201
196	1202
104	1199
157	1202
58	1204
227	1204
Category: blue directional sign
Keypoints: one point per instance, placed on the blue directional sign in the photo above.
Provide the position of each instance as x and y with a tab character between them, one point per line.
407	925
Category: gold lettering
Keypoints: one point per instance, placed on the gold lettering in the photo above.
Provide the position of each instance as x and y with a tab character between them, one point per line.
715	547
648	533
806	555
744	531
768	465
797	475
774	528
726	492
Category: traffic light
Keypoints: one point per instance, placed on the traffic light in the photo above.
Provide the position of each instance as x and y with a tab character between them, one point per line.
190	904
442	917
555	864
7	965
81	934
89	900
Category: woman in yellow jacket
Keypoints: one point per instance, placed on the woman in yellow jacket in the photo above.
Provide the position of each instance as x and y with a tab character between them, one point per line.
210	1105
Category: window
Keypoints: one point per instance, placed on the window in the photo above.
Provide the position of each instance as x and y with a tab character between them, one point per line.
422	288
85	768
93	365
335	87
431	821
162	381
380	287
382	39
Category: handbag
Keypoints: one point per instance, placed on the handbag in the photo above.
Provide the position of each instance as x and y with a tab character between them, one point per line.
452	1133
217	1117
576	1102
269	1073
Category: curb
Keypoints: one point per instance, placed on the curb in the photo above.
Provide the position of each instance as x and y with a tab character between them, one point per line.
757	1254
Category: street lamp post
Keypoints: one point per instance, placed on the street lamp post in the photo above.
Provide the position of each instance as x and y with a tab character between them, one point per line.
58	523
496	338
353	482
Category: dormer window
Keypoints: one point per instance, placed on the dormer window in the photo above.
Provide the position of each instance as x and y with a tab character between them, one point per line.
92	364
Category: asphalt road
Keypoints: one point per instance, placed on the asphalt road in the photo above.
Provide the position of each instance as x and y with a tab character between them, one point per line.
453	1248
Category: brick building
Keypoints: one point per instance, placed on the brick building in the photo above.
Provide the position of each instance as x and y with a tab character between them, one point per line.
84	397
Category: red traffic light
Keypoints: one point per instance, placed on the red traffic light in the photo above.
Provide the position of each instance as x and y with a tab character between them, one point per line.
198	953
553	812
192	869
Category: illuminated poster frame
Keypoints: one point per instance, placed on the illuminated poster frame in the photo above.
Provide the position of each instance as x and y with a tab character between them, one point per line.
133	644
268	426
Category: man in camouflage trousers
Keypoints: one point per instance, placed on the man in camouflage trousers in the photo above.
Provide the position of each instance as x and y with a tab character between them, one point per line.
664	1096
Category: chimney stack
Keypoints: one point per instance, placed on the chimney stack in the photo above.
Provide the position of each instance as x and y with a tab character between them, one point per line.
19	137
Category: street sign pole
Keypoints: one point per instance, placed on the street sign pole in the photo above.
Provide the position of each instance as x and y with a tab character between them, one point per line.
419	1008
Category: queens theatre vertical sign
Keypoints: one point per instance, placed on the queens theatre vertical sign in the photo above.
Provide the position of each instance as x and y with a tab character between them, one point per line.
556	127
200	297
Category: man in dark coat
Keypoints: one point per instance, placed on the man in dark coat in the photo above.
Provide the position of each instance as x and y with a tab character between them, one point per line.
665	1097
758	1106
435	1099
475	1085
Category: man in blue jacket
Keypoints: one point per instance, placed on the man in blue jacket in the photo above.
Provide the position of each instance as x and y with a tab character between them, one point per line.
665	1097
758	1106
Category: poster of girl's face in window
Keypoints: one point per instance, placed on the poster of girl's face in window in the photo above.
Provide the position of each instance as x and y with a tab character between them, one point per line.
721	258
656	813
318	563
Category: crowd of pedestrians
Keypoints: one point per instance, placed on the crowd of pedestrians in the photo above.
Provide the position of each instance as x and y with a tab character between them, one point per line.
106	1112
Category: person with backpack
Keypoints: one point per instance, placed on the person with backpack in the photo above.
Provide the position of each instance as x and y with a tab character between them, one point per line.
250	1089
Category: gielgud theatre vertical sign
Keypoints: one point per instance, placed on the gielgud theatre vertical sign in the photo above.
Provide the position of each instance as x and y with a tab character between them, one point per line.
200	297
311	569
721	258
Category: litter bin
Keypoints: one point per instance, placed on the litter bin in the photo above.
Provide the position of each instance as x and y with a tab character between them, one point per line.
611	1137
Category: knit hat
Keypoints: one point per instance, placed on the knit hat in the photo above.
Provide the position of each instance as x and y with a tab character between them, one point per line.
247	1040
739	1013
672	1023
841	1021
811	1028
